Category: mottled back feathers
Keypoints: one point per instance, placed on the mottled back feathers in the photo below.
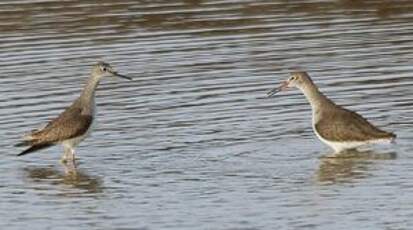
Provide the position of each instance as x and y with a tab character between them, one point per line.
71	123
340	124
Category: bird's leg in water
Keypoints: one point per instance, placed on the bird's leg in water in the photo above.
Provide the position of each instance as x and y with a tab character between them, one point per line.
66	155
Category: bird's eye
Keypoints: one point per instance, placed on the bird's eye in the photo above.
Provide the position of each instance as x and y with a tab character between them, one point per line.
104	69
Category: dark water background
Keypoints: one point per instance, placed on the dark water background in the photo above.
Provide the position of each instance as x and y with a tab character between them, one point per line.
192	142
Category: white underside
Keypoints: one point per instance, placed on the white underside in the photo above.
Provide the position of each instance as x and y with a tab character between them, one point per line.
341	146
70	144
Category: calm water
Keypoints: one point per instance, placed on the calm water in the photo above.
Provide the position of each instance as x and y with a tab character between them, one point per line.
192	142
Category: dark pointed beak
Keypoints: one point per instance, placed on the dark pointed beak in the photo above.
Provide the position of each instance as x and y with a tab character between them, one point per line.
280	88
121	76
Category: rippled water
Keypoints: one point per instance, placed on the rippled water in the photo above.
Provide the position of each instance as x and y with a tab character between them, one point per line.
192	142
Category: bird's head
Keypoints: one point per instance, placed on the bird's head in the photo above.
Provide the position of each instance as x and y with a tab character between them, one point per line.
102	69
296	79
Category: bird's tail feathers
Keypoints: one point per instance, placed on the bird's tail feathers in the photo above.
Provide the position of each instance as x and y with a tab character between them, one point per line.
23	143
34	148
28	139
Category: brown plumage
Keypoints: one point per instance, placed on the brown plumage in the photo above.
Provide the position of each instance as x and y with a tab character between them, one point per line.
69	124
336	126
344	125
73	124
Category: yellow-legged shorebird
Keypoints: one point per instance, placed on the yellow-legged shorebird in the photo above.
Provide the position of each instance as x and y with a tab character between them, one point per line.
75	123
334	125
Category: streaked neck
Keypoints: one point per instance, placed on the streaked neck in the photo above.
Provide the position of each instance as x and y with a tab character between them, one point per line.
88	92
316	99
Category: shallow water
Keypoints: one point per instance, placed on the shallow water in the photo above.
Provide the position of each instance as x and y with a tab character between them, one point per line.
193	142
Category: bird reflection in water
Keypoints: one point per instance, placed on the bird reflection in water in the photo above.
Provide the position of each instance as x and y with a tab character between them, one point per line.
348	166
77	181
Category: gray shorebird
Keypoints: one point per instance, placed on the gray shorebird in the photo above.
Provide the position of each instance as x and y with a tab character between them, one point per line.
334	125
75	122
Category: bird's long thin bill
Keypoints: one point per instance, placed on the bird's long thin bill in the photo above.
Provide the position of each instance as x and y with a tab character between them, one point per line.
274	91
122	76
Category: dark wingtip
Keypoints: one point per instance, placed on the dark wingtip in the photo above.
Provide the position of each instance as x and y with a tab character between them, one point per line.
34	148
29	150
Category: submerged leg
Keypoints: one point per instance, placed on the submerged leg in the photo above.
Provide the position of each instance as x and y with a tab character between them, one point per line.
68	159
66	154
69	153
72	155
70	168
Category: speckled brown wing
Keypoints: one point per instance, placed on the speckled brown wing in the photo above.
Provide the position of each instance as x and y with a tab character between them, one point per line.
345	125
69	124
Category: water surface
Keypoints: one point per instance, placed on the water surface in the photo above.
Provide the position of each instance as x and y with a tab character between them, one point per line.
193	142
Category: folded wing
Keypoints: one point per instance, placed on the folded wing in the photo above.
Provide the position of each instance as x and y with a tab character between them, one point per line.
69	124
345	125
